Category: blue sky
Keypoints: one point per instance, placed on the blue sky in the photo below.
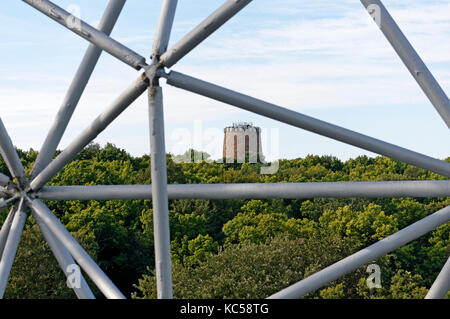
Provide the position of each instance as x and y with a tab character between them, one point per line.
324	58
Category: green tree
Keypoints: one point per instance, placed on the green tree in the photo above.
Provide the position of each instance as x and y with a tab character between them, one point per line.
366	226
274	265
35	273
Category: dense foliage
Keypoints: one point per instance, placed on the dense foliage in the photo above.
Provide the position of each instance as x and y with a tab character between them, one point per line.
235	248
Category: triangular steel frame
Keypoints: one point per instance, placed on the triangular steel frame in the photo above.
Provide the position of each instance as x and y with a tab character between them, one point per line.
28	194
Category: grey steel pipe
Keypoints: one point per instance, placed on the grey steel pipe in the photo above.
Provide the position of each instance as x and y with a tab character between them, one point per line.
4	203
253	191
163	265
410	58
9	254
91	132
76	89
441	285
164	29
202	31
365	256
89	33
102	281
306	122
4	180
64	259
4	232
11	157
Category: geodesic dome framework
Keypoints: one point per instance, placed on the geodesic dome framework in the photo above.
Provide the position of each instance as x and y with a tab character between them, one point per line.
26	193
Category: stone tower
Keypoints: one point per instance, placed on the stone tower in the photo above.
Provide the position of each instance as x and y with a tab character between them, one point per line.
242	143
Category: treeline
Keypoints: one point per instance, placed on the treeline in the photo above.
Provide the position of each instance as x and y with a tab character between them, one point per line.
235	248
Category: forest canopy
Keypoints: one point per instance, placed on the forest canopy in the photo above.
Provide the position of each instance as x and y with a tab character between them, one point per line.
235	248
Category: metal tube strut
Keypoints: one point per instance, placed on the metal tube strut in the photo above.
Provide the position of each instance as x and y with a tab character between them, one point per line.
89	33
97	275
91	132
4	232
365	256
11	157
410	58
253	191
441	285
306	122
4	180
12	243
164	29
64	259
160	202
202	31
76	89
